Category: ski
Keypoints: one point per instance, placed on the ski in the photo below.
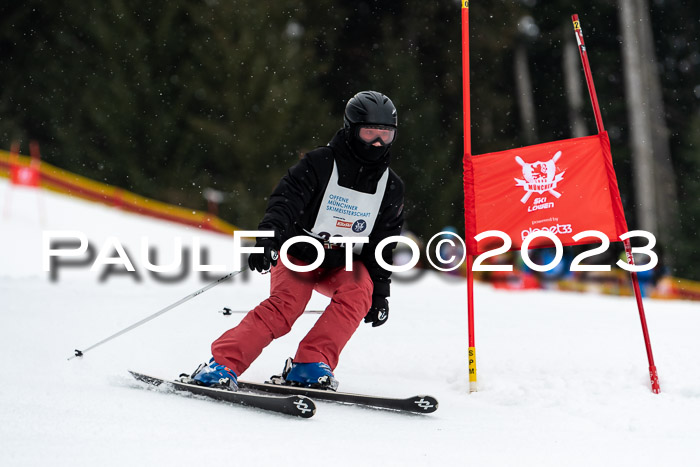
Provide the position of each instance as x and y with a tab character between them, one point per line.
415	404
295	404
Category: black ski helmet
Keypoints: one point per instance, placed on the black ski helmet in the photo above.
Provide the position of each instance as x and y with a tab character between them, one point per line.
371	108
368	108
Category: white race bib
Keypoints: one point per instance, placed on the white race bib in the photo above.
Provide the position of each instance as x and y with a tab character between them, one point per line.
348	213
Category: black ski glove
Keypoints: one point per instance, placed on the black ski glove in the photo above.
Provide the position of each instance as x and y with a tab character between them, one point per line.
379	313
262	262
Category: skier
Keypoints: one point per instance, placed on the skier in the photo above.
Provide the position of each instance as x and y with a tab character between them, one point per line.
343	189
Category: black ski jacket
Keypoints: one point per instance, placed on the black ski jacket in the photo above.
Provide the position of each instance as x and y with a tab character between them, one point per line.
295	202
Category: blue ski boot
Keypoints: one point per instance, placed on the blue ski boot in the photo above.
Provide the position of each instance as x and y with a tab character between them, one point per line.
310	375
216	376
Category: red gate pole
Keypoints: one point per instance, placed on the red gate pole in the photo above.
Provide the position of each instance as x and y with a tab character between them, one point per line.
466	102
14	167
628	247
35	165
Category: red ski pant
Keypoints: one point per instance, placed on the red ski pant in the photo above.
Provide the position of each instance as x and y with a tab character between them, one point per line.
290	292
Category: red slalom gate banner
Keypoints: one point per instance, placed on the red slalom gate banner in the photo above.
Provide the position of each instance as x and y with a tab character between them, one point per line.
24	175
564	187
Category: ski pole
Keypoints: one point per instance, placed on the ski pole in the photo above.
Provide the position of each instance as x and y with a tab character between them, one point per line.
79	353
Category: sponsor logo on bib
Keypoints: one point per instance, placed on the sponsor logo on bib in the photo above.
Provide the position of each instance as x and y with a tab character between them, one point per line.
359	226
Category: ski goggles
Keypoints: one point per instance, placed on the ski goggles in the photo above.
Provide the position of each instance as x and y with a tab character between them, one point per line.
371	133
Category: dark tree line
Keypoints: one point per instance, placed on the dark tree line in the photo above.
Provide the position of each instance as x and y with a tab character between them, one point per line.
169	98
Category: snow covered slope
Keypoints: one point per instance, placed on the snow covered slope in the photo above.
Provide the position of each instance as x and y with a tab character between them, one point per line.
562	376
